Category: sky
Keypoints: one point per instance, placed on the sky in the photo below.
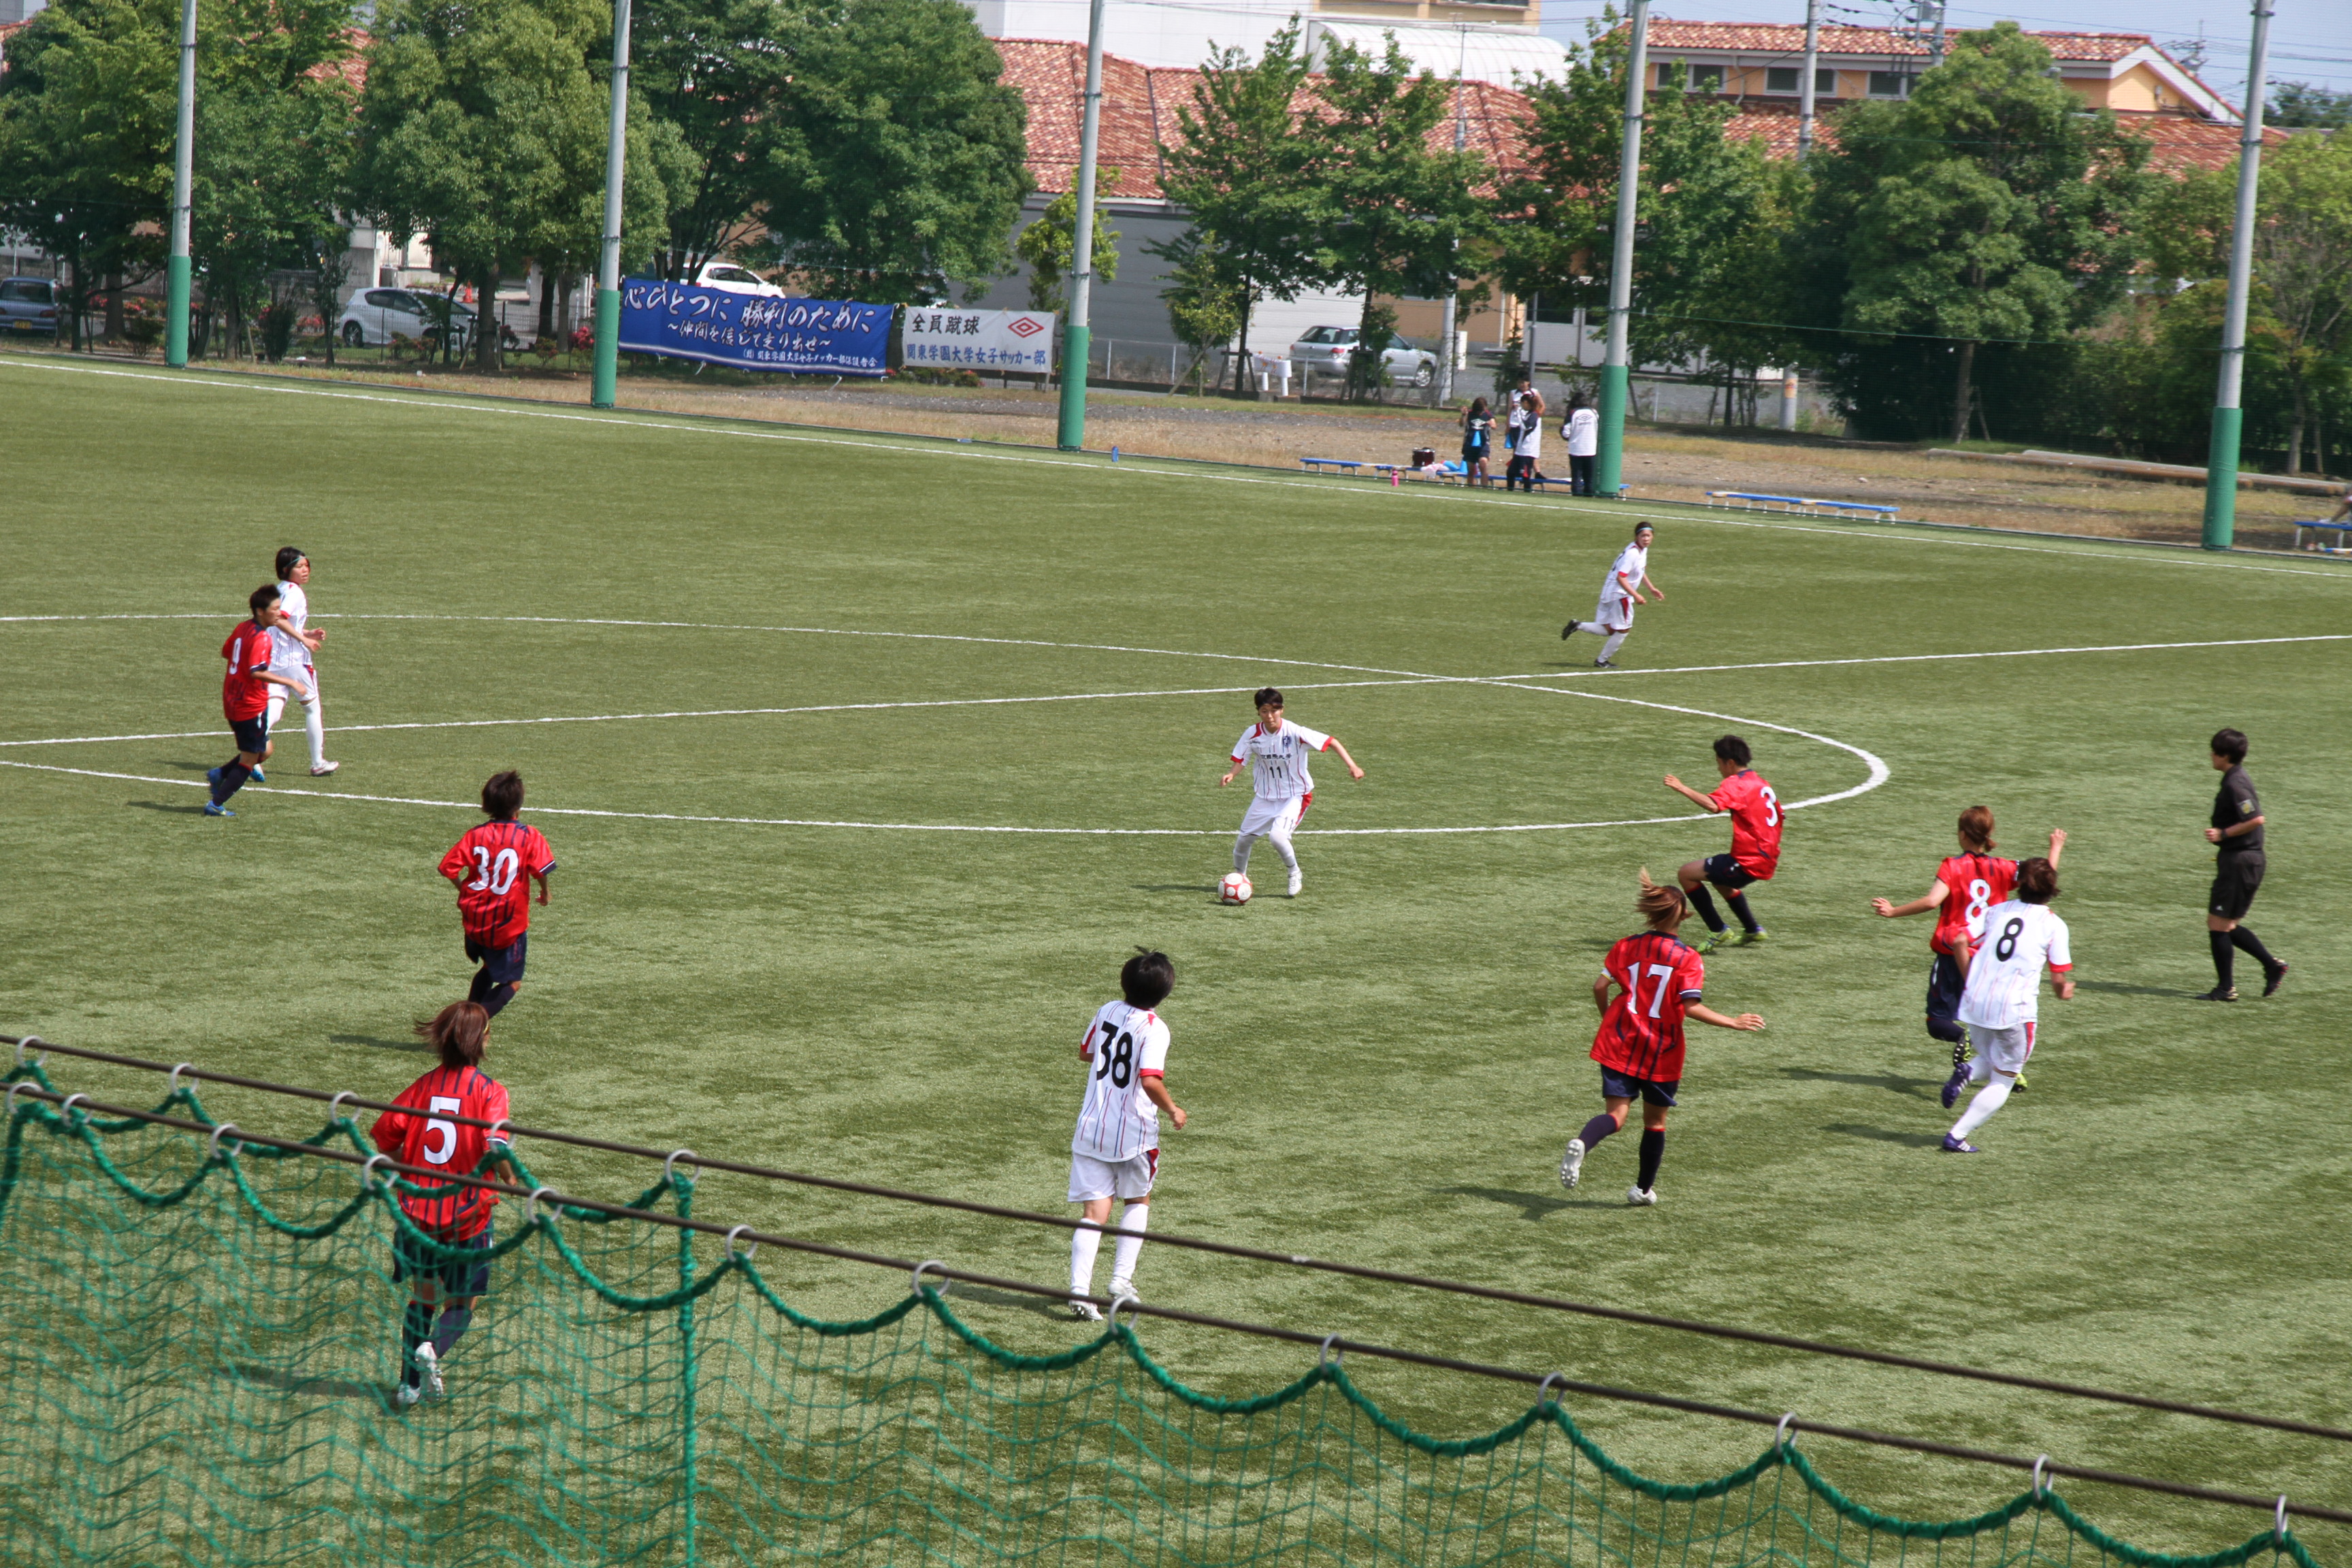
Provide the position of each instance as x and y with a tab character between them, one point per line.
2311	40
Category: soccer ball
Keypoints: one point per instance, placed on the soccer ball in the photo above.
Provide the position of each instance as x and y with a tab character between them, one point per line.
1233	889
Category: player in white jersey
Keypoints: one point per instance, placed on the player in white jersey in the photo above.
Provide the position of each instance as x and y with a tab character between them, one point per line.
1613	617
1114	1153
1276	752
2002	999
291	644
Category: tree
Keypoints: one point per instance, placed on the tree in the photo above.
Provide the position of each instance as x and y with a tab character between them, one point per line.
716	73
483	129
1204	305
1395	214
2303	259
1987	207
898	163
1240	169
1049	244
2298	105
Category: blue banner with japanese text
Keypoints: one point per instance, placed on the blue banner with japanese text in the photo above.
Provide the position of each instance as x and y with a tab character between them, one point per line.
755	332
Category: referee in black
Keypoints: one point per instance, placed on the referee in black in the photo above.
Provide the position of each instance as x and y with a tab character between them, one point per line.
2237	870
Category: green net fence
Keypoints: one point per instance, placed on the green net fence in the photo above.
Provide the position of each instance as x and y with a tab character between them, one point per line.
202	1349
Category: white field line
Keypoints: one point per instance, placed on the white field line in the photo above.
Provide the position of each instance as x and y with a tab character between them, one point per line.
1141	469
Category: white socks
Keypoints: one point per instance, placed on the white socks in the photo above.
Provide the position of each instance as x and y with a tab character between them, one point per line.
1131	1221
1282	847
1083	1245
1989	1099
314	724
1616	640
1242	848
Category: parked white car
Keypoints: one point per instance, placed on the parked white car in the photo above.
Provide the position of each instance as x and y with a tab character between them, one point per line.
374	315
734	280
1327	349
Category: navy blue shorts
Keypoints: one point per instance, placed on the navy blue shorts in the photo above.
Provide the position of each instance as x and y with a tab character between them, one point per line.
252	734
462	1275
503	965
1615	1085
1944	984
1723	871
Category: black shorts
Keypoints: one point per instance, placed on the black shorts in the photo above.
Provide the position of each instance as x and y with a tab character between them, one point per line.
1615	1085
463	1276
1723	871
2235	877
1944	985
252	734
503	965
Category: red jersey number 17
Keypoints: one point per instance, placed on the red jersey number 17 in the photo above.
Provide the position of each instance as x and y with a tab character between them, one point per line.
1665	977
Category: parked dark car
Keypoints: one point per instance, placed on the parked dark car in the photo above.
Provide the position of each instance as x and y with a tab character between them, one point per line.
28	305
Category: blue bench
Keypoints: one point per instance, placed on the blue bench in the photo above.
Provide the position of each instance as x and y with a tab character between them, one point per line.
1324	465
2340	529
1805	505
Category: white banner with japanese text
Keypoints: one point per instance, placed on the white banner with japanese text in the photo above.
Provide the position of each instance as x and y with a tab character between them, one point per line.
1019	342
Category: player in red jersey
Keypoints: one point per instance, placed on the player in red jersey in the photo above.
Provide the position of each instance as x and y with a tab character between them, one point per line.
245	696
1756	817
424	1134
489	866
1659	979
1966	885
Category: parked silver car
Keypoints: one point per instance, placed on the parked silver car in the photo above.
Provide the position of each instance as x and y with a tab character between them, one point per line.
29	305
374	315
1327	350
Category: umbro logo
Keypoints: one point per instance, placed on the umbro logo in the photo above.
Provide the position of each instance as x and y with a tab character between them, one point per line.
1026	326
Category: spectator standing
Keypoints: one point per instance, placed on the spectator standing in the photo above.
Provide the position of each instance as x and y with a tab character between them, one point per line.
1530	450
1478	442
1582	428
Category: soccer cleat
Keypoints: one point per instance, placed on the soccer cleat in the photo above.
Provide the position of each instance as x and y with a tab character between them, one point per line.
1955	1146
1571	1163
2273	978
1750	937
1085	1312
1953	1085
1568	630
429	1362
260	777
1602	664
406	1394
2018	1083
1297	880
214	808
1123	1290
1712	940
323	769
1642	1197
2219	994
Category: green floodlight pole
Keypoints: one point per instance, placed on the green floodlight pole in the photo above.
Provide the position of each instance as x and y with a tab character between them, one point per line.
184	182
606	377
2229	417
1616	367
1072	434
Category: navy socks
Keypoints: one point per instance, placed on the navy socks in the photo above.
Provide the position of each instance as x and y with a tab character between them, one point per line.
1654	1149
1738	903
1703	902
1597	1129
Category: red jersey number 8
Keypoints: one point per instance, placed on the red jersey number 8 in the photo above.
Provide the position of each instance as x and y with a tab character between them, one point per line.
1980	898
496	875
1771	806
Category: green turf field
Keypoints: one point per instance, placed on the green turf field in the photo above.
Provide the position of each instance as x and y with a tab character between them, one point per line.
746	630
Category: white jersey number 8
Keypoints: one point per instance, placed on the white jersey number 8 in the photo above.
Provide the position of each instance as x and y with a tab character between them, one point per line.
496	875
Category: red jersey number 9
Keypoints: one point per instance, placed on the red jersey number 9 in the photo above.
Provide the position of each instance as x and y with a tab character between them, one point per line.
496	875
1771	806
441	1137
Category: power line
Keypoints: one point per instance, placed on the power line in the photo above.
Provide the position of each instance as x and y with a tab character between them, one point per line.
1252	1254
737	1234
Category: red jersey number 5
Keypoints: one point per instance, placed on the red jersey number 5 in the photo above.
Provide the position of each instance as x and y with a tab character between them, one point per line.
441	1137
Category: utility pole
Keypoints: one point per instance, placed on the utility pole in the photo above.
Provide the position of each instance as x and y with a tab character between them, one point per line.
1448	325
1072	436
606	379
184	183
2229	417
1616	368
1812	70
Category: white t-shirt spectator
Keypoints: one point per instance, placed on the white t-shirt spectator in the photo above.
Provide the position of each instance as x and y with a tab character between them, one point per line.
1583	428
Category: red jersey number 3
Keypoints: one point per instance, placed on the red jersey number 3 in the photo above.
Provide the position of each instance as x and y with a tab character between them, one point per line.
1755	818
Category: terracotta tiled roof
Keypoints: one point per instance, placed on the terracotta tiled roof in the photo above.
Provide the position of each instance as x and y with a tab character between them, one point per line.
1773	38
2184	144
1141	106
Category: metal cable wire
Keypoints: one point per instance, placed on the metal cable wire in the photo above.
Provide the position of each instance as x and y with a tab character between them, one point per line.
1261	1254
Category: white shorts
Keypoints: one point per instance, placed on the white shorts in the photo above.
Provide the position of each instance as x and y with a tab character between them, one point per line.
2004	1050
1276	817
279	697
1617	615
1124	1179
